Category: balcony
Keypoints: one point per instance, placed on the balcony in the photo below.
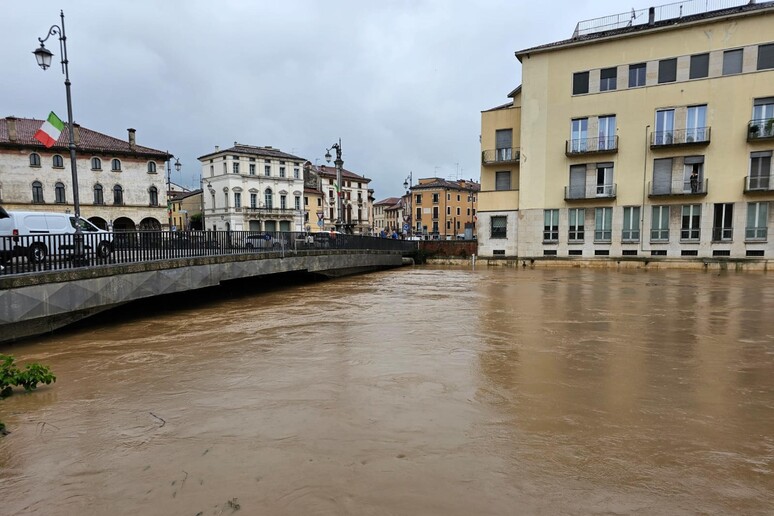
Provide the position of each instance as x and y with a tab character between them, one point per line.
572	193
698	136
258	213
599	145
678	189
758	184
506	155
760	129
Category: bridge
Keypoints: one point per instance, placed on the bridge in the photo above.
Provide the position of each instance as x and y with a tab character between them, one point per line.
45	285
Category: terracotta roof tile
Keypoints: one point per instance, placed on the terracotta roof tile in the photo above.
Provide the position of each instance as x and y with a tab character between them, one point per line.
89	141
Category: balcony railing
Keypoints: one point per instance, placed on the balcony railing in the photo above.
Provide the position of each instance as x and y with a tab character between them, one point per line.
572	193
760	129
694	136
505	155
758	184
270	212
597	145
678	188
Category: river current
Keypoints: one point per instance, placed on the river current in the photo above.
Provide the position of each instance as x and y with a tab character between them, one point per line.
418	391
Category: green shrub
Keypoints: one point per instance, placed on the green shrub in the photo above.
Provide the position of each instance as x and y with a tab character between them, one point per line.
29	377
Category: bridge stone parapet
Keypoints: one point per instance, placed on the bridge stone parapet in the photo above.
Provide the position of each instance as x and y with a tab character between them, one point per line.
37	303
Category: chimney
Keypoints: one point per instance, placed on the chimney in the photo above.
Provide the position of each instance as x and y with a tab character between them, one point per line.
651	15
11	123
132	141
77	133
217	148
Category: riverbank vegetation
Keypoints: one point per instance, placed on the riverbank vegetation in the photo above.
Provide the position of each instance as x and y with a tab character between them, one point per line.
12	376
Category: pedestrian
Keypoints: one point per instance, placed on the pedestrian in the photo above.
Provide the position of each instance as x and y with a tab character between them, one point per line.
694	181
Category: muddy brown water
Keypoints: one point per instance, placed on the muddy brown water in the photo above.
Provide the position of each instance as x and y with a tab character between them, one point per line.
416	391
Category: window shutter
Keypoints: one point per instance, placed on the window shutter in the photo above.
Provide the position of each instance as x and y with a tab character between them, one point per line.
662	176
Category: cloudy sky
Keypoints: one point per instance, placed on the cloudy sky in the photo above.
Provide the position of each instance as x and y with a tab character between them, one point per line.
401	82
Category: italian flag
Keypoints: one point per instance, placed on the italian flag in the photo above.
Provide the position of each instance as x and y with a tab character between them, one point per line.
49	132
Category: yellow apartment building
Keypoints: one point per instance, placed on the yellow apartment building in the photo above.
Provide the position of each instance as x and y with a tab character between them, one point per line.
443	209
648	133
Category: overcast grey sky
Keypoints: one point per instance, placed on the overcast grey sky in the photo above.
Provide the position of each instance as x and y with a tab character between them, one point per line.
401	82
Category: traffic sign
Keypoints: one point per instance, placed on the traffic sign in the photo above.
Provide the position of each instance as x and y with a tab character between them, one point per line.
405	227
320	223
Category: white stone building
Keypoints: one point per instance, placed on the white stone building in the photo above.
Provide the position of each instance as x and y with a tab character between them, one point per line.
121	185
355	200
249	188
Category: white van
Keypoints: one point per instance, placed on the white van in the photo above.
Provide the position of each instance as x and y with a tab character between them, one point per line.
37	234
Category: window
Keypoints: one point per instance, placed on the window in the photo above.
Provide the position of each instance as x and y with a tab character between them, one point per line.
435	198
723	222
282	171
37	192
757	221
577	188
577	219
636	75
96	164
297	174
667	70
448	210
607	79
59	193
605	180
659	224
665	126
267	170
212	170
766	56
763	111
152	167
253	201
696	124
699	66
760	171
115	165
435	212
498	226
153	194
57	161
458	197
550	225
503	144
503	180
225	200
693	174
238	200
283	202
606	132
235	167
631	224
458	211
689	225
732	62
251	169
580	83
118	195
603	222
578	134
268	198
34	159
418	199
98	197
297	202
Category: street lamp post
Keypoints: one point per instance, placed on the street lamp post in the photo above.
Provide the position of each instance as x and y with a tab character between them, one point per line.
178	166
407	184
43	57
201	189
339	187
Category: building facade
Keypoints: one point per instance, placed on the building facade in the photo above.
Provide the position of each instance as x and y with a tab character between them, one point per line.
249	188
443	209
121	185
649	137
355	200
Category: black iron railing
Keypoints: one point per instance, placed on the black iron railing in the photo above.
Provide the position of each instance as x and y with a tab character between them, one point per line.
758	183
590	192
504	155
693	136
678	188
760	129
591	145
45	252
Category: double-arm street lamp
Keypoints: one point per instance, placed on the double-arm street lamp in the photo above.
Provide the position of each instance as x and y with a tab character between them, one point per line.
43	56
407	184
178	165
339	187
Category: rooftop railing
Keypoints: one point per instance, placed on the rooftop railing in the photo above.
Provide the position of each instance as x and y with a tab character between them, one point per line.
675	10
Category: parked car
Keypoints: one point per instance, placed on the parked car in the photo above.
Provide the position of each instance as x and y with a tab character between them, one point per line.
264	241
189	240
37	234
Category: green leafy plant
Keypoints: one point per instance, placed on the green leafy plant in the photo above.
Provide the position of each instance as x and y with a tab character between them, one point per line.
28	378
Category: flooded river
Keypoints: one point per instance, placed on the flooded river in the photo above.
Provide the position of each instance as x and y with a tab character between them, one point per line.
417	391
